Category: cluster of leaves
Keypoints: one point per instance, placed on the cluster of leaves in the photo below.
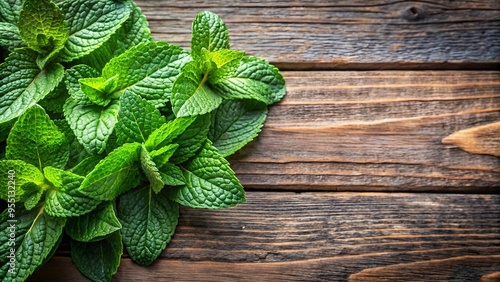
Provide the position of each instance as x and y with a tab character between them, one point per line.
104	131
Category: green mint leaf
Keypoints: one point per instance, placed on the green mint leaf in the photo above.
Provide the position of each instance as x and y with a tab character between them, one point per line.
65	199
210	182
191	95
23	84
134	31
105	181
137	119
95	225
172	175
148	221
9	36
161	156
99	57
151	171
225	56
23	221
191	139
32	195
209	32
91	124
252	79
98	260
9	10
35	139
87	33
164	135
20	180
235	123
148	70
37	243
72	77
54	101
86	165
97	89
42	28
77	152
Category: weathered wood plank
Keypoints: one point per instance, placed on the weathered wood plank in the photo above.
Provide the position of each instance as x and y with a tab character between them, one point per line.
326	237
375	130
346	34
484	139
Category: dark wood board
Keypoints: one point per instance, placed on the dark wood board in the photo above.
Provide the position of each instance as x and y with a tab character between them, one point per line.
325	237
375	131
346	34
350	179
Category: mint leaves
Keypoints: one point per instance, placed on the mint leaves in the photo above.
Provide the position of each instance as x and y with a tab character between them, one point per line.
217	73
86	33
46	37
105	132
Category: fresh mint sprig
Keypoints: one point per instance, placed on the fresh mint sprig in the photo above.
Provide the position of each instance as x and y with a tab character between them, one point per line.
108	131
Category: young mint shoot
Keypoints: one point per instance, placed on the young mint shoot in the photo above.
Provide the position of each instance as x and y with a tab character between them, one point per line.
105	132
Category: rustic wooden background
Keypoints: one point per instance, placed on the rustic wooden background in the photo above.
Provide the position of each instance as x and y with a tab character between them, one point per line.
349	179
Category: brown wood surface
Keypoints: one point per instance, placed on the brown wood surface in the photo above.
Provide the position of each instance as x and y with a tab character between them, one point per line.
326	237
346	34
349	179
375	130
484	139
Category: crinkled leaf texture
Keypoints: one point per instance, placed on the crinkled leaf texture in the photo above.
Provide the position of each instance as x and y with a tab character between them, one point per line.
64	199
24	220
148	221
150	169
134	31
191	140
210	33
92	124
235	123
137	119
35	139
36	244
86	33
148	70
9	10
191	94
9	36
210	182
252	78
42	28
105	181
161	156
172	175
95	225
23	83
164	135
77	152
98	260
26	179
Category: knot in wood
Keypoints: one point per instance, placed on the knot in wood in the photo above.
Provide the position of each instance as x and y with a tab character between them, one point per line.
414	13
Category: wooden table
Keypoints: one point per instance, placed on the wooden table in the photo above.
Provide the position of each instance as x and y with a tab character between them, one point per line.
350	179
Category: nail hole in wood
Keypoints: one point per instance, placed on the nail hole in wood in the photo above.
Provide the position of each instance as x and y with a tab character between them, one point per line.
414	13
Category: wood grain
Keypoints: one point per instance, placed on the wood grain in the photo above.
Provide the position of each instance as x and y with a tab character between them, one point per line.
346	34
484	139
374	131
325	237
